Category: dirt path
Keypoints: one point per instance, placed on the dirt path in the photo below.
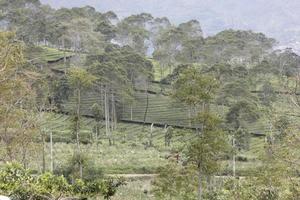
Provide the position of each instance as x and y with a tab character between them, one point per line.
133	176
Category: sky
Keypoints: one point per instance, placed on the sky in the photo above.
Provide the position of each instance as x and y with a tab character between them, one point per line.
276	18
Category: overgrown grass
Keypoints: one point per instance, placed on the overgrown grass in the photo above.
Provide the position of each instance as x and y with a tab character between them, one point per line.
130	153
135	190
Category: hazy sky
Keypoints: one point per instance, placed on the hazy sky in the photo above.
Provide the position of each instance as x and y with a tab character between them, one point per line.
276	18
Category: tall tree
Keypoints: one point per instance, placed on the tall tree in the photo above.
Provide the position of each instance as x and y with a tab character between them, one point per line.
17	96
195	90
79	79
132	31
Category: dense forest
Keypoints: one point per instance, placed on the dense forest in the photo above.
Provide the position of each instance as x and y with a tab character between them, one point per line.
97	107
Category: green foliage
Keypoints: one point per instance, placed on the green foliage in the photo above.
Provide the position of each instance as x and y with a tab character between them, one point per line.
206	151
119	69
250	78
283	126
109	187
16	181
50	184
131	31
179	44
106	29
242	112
17	99
79	78
90	170
268	95
208	120
97	112
175	182
229	45
59	91
21	184
193	88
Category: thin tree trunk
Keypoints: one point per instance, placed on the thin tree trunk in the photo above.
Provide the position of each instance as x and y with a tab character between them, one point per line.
161	73
80	168
107	125
65	59
51	153
233	159
200	185
77	131
114	110
190	116
151	136
78	119
131	114
147	104
24	155
97	133
112	116
43	154
165	131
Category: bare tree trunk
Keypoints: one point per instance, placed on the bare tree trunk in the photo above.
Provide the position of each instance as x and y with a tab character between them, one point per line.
80	168
107	125
112	116
51	153
233	161
65	59
78	119
147	103
166	132
77	131
97	133
200	185
114	111
24	155
43	154
161	73
190	116
131	116
151	136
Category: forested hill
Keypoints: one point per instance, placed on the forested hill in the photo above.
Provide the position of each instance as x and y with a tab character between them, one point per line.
278	19
86	96
135	60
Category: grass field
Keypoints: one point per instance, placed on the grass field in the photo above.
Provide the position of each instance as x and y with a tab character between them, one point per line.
129	156
130	153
